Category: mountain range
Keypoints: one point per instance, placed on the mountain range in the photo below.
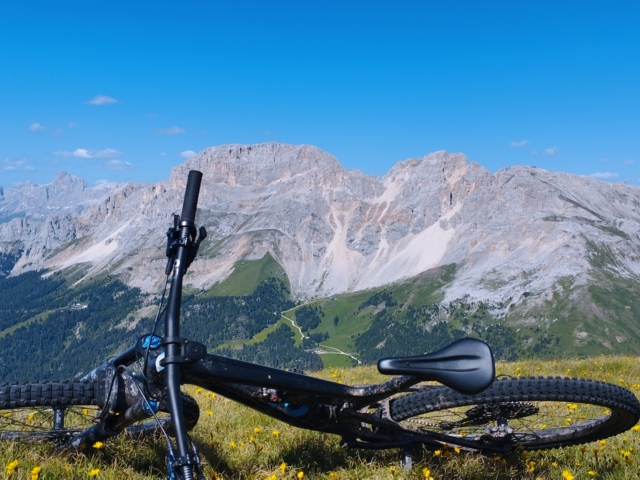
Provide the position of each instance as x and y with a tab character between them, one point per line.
533	245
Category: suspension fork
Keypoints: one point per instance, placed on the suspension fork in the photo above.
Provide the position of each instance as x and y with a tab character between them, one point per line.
182	251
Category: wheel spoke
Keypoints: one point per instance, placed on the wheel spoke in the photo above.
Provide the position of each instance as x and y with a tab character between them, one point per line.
45	422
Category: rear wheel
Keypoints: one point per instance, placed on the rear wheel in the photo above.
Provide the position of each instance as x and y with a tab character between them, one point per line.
529	413
58	411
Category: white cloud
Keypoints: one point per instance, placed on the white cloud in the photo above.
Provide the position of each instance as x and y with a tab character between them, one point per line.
519	143
170	131
36	127
604	175
629	161
84	153
550	152
118	165
187	154
101	100
15	164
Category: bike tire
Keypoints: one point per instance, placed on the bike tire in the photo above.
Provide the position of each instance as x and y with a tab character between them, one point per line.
28	411
536	413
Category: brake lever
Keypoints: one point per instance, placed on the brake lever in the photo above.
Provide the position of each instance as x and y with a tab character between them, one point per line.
193	248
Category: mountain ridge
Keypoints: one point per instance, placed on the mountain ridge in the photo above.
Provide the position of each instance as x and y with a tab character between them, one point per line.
516	232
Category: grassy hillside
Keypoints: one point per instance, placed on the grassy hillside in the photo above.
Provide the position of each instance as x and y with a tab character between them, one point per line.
237	443
573	319
408	318
247	275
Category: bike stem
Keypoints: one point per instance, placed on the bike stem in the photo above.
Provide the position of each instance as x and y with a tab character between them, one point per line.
173	360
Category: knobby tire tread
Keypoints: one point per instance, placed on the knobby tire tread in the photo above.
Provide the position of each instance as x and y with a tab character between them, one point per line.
48	393
623	404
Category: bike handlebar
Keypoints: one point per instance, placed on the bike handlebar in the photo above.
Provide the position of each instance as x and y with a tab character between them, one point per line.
191	197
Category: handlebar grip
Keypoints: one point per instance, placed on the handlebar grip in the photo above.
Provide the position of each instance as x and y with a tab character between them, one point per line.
191	197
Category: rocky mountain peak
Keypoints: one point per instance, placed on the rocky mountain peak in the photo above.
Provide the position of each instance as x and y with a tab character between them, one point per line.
63	192
258	165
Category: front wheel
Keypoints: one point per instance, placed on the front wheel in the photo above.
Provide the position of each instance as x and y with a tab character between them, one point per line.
528	413
58	411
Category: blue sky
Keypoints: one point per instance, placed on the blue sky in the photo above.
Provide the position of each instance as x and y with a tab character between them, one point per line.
125	90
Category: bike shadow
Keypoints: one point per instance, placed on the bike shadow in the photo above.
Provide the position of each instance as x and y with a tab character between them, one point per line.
312	456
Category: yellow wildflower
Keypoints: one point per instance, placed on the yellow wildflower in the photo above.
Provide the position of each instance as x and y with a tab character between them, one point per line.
11	467
233	444
273	477
591	473
427	474
97	445
567	475
275	433
531	466
94	472
257	430
438	453
35	472
300	475
283	467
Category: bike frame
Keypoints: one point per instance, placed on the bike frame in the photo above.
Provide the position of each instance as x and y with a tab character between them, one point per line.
296	399
313	403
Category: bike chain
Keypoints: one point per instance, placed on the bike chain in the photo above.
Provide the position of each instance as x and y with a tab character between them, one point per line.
420	422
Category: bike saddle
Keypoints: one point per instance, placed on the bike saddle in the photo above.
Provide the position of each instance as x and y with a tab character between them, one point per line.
466	365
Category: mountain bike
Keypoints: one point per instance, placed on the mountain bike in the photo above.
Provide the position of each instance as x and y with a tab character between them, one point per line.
138	392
